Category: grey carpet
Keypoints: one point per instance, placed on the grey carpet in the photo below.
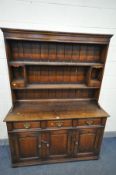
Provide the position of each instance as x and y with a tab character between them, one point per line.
106	165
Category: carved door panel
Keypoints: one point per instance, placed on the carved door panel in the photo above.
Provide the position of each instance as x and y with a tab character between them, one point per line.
87	142
60	144
26	146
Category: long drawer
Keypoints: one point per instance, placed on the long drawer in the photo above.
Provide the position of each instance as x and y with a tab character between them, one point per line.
26	125
87	122
60	123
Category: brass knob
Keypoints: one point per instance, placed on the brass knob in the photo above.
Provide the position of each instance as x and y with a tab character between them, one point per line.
47	145
27	125
45	142
76	143
39	146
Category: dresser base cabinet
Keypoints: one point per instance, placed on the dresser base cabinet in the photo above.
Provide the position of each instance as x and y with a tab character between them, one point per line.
55	81
31	146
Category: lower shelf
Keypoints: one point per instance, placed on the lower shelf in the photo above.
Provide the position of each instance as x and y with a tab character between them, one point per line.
51	86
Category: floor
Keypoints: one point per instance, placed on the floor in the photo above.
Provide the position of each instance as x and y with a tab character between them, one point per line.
106	165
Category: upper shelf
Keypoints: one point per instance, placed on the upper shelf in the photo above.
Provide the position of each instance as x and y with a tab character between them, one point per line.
50	63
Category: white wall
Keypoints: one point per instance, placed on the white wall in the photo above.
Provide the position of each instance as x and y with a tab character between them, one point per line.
89	16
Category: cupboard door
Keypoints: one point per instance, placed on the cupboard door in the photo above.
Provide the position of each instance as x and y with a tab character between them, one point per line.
87	142
27	146
60	144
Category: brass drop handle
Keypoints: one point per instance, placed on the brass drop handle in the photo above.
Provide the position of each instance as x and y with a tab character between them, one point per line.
90	122
59	123
27	125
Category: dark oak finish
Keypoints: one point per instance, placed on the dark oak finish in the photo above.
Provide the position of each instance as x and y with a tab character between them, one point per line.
56	36
55	80
87	142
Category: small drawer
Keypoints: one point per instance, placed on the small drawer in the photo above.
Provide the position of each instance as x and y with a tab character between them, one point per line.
87	122
26	125
59	123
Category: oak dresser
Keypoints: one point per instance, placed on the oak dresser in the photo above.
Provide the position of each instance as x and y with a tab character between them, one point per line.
55	81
